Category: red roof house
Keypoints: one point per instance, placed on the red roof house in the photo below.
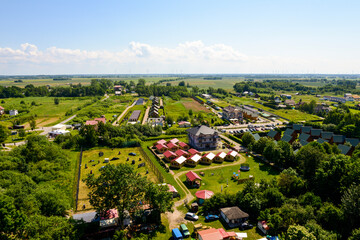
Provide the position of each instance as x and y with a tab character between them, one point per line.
161	148
172	146
181	152
174	141
193	151
183	146
191	178
169	155
162	141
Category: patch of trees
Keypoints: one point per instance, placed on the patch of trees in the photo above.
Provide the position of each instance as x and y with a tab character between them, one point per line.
35	183
270	86
175	92
212	78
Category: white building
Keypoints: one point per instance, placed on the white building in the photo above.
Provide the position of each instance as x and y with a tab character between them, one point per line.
13	112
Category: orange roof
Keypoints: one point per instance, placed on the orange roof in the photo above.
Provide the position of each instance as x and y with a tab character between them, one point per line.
91	122
171	145
102	119
210	234
180	152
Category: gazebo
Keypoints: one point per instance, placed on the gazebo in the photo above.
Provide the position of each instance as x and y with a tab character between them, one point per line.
193	179
203	194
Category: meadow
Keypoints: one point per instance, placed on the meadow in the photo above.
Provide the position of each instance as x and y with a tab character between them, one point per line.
98	162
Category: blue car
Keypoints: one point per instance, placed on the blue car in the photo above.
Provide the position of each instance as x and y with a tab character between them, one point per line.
211	217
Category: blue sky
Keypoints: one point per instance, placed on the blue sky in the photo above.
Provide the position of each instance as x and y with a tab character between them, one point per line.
257	36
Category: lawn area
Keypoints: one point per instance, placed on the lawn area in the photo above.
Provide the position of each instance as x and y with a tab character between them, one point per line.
45	111
215	179
16	138
98	162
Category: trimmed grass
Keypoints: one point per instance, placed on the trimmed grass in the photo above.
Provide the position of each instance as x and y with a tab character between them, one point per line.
98	162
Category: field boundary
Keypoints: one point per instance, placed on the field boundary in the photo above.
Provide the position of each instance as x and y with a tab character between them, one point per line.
156	171
78	180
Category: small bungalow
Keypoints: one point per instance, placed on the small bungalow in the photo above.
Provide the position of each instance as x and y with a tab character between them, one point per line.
220	157
345	149
303	143
256	136
193	151
169	156
274	135
233	216
305	137
290	132
161	148
207	158
337	139
306	129
231	156
288	138
297	127
289	102
178	162
184	124
181	152
183	146
173	147
353	141
173	190
193	160
327	135
315	133
202	195
321	140
13	112
218	234
174	141
162	141
193	179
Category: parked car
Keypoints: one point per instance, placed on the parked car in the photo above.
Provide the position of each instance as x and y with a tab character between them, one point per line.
211	217
132	154
246	225
191	216
176	234
184	230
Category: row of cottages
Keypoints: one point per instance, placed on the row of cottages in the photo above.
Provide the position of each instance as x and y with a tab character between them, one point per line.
154	110
193	160
173	145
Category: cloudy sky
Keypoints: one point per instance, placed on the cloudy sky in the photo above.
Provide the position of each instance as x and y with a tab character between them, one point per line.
187	36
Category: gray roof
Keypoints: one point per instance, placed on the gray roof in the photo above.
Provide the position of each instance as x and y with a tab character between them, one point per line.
233	213
289	131
321	140
272	133
304	137
326	135
353	141
316	132
135	115
305	129
86	217
297	127
344	149
286	138
256	136
303	142
201	130
338	139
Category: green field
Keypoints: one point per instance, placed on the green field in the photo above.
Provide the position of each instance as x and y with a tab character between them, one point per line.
98	162
44	110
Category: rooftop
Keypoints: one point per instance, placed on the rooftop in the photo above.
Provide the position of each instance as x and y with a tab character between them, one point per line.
233	213
201	130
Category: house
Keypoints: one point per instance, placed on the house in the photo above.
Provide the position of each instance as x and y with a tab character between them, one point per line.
233	216
2	110
13	112
220	157
327	135
345	149
169	155
249	112
287	96
183	146
290	132
256	136
55	133
306	129
184	124
231	156
274	135
206	96
155	121
193	160
203	137
181	152
193	179
193	151
202	195
162	141
134	117
232	113
208	158
337	139
263	227
288	138
297	127
174	141
173	190
140	101
161	148
118	90
277	100
322	108
353	141
321	140
315	133
356	97
305	137
178	162
289	102
171	146
216	234
86	217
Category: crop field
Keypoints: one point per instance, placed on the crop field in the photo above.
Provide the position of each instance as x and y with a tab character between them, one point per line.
182	107
98	162
225	83
43	108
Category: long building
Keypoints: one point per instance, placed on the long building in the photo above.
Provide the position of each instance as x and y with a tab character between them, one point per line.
134	116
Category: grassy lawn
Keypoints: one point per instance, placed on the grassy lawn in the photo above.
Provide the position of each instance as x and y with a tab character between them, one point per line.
99	162
215	178
45	111
16	138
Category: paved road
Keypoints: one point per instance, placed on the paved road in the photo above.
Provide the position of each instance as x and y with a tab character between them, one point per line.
115	123
146	115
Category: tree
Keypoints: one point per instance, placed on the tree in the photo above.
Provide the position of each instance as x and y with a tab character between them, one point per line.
11	220
248	139
190	112
89	137
4	133
350	203
355	234
297	232
22	133
56	101
32	123
118	187
182	83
